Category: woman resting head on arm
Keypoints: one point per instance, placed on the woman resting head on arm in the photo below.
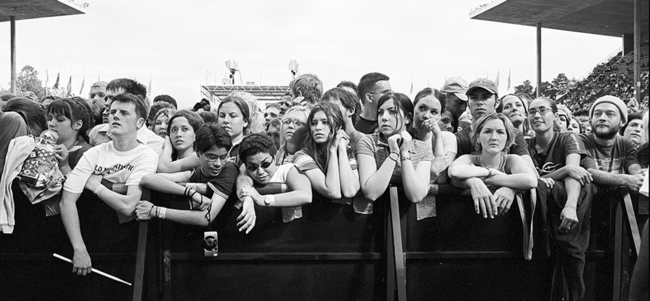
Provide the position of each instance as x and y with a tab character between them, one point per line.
392	155
325	151
178	148
70	119
491	166
427	113
234	117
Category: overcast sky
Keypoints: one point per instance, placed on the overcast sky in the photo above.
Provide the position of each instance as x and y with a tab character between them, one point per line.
178	44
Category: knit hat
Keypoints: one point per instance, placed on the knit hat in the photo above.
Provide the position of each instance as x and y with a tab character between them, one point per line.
622	108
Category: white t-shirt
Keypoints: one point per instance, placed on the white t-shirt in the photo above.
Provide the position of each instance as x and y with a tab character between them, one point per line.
114	166
448	142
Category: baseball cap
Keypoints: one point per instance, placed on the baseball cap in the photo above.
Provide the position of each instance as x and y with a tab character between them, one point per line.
455	85
483	83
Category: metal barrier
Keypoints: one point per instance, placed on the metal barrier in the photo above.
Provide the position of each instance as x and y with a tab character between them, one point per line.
331	253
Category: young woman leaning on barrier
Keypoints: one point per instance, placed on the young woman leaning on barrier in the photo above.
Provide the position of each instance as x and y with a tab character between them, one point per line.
427	113
494	134
392	155
324	158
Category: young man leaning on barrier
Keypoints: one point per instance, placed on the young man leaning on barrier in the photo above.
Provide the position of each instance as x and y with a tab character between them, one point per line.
122	160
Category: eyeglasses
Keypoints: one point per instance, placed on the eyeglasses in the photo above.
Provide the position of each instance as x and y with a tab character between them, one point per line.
264	165
542	111
296	122
214	158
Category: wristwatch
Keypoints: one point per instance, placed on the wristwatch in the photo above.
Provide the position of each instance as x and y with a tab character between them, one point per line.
267	201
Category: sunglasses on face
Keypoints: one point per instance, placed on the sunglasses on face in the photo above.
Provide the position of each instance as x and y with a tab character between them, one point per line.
264	165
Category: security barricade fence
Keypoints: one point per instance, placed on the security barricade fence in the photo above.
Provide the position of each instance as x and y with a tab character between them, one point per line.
331	253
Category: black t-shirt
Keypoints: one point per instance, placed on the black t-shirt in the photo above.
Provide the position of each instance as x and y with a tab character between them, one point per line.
467	145
616	158
222	184
554	156
366	126
643	155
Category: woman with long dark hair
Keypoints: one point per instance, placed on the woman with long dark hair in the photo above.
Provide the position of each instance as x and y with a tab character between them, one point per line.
324	157
391	155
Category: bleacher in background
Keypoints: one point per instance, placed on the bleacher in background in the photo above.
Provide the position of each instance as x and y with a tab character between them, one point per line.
612	77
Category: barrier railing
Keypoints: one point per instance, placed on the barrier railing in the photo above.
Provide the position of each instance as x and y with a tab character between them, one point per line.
331	253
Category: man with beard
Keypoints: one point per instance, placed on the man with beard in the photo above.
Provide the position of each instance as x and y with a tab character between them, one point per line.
613	159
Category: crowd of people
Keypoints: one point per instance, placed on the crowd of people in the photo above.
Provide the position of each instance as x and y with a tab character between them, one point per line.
348	144
613	77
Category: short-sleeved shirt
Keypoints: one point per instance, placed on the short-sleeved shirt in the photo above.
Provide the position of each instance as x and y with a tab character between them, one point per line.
616	158
221	184
372	145
449	143
366	126
554	156
467	145
114	166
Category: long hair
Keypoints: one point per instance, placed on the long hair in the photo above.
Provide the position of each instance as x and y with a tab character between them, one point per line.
424	93
32	113
510	130
195	121
243	107
74	109
335	121
525	125
404	106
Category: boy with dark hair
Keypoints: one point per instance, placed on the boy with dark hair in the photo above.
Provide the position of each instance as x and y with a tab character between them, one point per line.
123	160
371	87
208	186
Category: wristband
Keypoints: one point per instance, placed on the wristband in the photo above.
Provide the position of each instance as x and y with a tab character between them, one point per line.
162	211
150	210
404	158
99	189
489	172
394	159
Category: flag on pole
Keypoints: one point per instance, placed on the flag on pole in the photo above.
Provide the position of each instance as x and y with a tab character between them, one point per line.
56	84
496	81
47	77
411	85
509	72
83	83
149	89
69	87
